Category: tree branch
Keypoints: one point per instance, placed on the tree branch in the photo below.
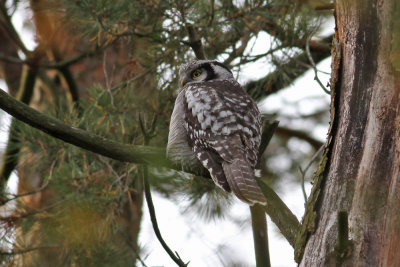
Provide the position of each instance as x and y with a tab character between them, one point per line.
195	42
8	28
316	144
278	79
10	157
280	214
81	138
276	209
148	133
174	256
260	235
23	251
258	218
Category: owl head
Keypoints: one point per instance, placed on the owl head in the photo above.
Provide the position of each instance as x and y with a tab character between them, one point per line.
203	70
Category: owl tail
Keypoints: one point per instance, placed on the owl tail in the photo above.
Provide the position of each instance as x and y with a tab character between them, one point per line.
241	179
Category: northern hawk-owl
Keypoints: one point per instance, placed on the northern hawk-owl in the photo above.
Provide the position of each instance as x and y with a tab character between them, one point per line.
217	125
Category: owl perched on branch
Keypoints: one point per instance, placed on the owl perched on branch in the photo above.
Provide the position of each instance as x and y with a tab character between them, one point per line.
217	126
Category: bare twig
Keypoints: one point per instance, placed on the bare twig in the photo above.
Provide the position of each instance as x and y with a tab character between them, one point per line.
174	256
148	134
277	80
14	196
314	66
126	83
303	172
27	250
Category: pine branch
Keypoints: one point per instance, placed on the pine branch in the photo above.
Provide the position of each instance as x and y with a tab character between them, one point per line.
195	42
279	79
10	158
280	214
287	132
81	138
23	251
149	133
276	209
260	236
174	256
8	28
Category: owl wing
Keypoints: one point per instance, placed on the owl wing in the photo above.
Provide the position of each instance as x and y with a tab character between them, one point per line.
224	130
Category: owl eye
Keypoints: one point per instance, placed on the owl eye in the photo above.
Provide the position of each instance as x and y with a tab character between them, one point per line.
196	74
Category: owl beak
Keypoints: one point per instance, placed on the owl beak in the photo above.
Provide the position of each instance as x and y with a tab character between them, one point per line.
182	83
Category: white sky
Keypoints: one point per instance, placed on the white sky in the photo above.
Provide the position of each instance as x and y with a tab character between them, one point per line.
194	239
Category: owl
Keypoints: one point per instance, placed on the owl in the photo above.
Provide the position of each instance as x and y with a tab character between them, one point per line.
216	126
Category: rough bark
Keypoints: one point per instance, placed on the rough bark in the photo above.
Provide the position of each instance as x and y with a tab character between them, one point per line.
362	174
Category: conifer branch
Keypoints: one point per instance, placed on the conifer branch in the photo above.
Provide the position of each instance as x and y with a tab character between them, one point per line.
10	157
148	133
260	236
81	138
258	218
276	208
288	132
174	256
195	42
280	79
23	251
280	214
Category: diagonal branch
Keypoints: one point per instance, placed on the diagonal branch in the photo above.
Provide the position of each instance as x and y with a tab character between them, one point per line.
81	138
276	209
288	132
280	214
195	42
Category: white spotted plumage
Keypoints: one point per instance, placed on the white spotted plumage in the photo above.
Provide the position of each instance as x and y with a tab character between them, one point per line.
221	125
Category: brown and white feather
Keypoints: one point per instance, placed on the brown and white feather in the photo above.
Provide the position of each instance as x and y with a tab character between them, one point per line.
223	130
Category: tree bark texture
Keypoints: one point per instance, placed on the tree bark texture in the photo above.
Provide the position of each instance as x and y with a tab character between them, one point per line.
362	175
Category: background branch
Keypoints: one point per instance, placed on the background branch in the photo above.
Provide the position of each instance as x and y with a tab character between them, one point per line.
10	157
280	79
195	42
287	132
260	235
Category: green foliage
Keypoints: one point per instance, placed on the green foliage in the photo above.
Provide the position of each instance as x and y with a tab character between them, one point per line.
90	215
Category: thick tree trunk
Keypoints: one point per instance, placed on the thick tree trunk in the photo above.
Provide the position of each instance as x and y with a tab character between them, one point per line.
362	175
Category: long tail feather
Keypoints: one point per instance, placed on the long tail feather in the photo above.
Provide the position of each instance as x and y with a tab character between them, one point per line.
241	179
